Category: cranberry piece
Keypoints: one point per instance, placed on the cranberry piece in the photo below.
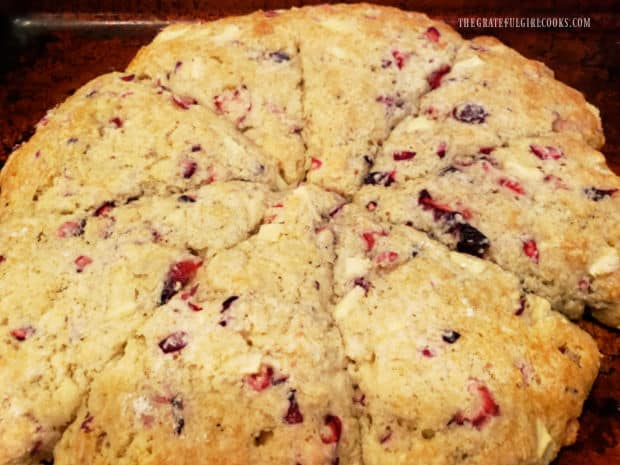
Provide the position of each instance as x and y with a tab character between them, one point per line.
190	293
470	113
116	121
385	178
363	283
173	342
403	155
333	431
196	148
546	153
427	352
450	336
128	77
336	210
434	79
194	307
521	307
2	258
596	194
183	102
270	13
23	333
228	302
471	241
279	56
371	206
186	198
293	414
441	150
369	237
82	262
86	425
236	103
178	276
387	257
315	163
71	229
261	380
177	66
400	58
584	285
486	150
387	100
104	209
440	211
385	63
512	185
432	34
188	168
386	436
488	407
531	250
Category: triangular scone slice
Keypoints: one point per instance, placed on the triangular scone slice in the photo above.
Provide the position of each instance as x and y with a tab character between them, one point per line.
365	68
451	363
117	138
492	86
545	208
247	368
246	69
71	300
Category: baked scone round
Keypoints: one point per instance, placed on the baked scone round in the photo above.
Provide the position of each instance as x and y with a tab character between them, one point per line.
331	235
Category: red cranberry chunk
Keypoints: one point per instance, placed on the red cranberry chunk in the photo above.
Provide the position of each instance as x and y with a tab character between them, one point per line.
71	229
315	163
104	209
470	113
427	352
189	168
279	56
82	262
173	342
293	414
178	276
116	121
512	185
186	198
128	77
441	149
333	429
400	58
228	302
183	102
23	333
486	150
194	307
596	194
531	250
432	34
471	241
261	380
521	307
86	425
371	206
2	258
363	283
385	178
546	153
450	336
434	79
403	155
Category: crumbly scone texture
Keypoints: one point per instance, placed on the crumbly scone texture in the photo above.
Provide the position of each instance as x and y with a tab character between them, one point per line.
232	252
